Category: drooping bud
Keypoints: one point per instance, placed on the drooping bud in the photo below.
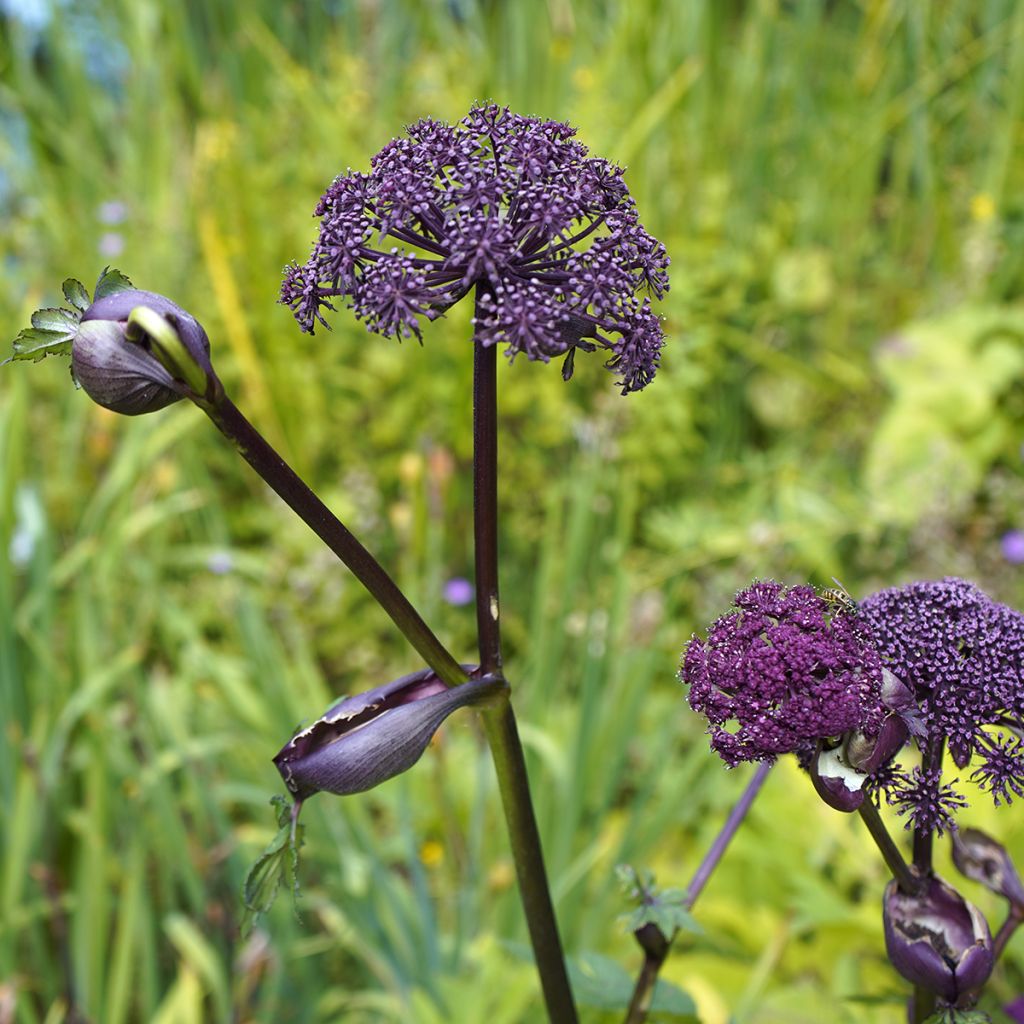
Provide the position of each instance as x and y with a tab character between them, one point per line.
839	785
982	859
868	753
936	939
364	740
136	352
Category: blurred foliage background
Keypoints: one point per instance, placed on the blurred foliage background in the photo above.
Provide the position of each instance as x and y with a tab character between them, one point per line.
841	189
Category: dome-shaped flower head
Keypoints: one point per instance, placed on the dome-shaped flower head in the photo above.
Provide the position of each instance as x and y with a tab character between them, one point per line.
781	672
963	656
512	204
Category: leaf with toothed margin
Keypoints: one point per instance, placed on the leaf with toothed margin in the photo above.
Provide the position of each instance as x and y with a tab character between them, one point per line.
74	291
35	343
279	860
59	321
110	282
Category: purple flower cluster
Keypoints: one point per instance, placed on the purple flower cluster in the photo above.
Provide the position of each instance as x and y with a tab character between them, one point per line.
781	672
512	204
962	654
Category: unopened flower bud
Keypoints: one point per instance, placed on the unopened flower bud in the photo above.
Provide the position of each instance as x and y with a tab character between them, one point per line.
869	753
364	740
982	859
839	785
938	940
136	352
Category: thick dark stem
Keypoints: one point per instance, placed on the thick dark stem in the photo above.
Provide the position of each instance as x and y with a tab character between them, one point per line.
500	722
655	946
319	518
510	767
485	500
654	943
905	877
931	760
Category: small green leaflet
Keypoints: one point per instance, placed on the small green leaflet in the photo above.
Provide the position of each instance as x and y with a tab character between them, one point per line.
53	330
665	908
953	1016
279	860
109	283
51	333
74	291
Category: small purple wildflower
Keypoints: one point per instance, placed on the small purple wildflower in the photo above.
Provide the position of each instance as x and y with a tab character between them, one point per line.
112	211
782	672
963	656
1012	545
511	204
458	591
111	244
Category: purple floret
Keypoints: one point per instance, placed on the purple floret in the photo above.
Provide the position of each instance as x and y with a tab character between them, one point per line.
963	656
510	203
781	672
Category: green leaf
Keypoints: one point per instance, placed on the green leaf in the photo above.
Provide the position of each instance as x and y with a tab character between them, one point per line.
279	859
56	320
665	908
604	984
110	283
34	343
74	291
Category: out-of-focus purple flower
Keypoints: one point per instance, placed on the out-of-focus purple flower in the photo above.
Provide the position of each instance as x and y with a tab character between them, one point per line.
112	211
1015	1010
936	939
111	244
458	591
510	203
961	654
220	563
364	740
780	673
1012	545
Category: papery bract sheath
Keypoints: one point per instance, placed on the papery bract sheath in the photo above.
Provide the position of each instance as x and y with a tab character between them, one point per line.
366	739
982	859
123	375
936	939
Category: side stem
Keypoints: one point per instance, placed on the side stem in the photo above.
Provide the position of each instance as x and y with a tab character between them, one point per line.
500	722
931	761
905	878
254	448
656	945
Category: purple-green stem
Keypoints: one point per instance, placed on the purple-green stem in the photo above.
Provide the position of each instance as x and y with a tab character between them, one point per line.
906	879
1013	921
254	448
500	721
931	760
654	943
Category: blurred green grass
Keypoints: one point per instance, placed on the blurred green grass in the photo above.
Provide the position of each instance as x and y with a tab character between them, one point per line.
839	186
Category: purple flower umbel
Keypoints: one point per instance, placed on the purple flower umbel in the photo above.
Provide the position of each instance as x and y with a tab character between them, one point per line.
963	656
782	672
510	203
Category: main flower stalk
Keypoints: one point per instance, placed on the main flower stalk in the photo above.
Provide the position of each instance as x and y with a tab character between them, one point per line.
499	721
